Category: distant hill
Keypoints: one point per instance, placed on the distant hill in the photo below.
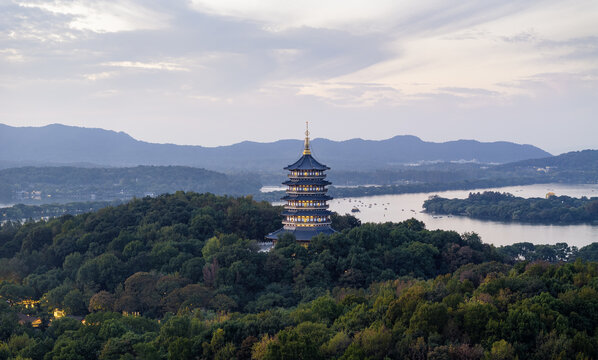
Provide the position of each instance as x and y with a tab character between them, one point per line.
584	159
575	166
60	144
37	185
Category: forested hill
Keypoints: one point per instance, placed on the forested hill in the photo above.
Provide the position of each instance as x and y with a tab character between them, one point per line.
573	160
181	277
497	206
59	144
67	184
575	166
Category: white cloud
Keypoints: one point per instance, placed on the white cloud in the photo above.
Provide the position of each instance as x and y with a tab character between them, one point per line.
168	66
211	99
103	16
12	55
277	15
99	76
492	56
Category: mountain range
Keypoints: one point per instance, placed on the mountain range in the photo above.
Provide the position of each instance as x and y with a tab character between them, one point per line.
77	146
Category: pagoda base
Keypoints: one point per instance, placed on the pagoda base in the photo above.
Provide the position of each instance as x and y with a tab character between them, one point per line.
302	234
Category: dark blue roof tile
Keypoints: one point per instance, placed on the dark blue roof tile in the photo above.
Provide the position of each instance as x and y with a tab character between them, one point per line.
307	162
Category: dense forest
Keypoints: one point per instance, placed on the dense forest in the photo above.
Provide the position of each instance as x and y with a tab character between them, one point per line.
182	277
498	206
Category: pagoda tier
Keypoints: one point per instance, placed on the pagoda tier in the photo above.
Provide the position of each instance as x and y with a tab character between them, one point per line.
306	211
307	182
306	197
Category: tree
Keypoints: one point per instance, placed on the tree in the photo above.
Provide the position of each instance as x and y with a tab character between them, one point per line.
140	295
75	303
180	349
375	341
501	350
301	342
102	301
101	273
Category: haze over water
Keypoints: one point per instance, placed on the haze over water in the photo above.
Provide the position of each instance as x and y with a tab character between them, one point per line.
401	207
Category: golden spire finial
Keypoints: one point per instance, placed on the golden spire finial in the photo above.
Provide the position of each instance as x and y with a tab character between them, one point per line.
306	150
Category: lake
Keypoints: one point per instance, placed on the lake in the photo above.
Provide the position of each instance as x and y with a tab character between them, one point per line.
401	207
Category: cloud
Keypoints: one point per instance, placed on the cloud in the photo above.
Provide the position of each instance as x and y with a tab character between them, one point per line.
468	91
211	99
354	94
103	16
168	66
11	55
273	62
99	76
278	16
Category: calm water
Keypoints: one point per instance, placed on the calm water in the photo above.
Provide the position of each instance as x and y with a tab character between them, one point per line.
401	207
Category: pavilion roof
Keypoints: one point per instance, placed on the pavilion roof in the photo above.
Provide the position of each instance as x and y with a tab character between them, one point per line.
307	162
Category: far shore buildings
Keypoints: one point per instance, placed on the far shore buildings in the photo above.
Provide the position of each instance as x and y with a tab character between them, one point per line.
306	211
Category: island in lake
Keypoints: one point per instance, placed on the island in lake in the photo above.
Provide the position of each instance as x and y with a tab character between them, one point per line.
491	205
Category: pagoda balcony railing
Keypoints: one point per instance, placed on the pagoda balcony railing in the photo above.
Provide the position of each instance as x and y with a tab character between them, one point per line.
293	207
306	176
314	192
306	224
300	212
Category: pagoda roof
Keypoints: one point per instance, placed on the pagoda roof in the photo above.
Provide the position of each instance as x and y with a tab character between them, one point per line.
310	212
307	197
307	162
301	233
307	182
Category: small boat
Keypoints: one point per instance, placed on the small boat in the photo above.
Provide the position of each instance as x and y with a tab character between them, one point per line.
355	210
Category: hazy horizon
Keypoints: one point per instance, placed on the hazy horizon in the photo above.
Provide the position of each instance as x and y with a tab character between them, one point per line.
288	138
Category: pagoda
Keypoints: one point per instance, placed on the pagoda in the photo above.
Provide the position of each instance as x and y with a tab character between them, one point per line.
306	212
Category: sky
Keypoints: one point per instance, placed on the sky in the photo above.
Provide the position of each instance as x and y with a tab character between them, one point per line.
217	72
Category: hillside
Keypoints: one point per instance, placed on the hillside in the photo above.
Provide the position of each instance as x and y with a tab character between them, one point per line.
60	144
181	277
65	184
575	166
574	160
